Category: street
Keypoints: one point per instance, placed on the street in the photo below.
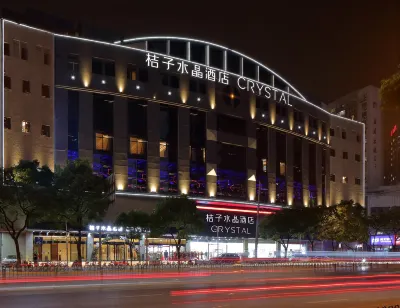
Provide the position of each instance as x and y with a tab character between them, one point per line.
225	288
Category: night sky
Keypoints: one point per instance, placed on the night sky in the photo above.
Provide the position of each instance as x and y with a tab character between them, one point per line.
325	50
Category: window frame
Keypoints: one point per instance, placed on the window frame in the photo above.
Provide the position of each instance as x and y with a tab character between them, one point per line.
45	130
24	89
25	127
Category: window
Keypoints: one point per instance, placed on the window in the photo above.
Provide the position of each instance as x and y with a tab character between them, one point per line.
131	72
358	138
137	146
333	152
7	51
344	136
46	130
374	120
264	162
357	181
332	132
298	116
45	91
26	86
143	75
97	66
345	155
7	123
197	86
103	67
345	180
103	142
109	68
374	132
170	81
282	168
374	150
7	82
333	179
26	127
21	49
163	149
73	63
46	57
358	157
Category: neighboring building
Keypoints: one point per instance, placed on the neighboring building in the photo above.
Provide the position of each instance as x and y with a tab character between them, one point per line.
171	115
364	105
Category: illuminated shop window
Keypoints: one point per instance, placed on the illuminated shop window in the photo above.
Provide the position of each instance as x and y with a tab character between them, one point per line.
163	149
282	169
137	146
103	142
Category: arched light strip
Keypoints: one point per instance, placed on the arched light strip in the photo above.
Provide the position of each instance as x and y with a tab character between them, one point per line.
211	44
141	50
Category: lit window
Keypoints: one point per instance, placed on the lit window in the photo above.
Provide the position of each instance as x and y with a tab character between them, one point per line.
264	164
26	127
26	86
7	123
103	142
45	91
345	180
131	72
163	149
282	168
137	146
46	130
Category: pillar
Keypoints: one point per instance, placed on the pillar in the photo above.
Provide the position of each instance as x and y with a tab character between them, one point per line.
246	247
120	143
272	165
318	169
28	246
60	126
183	150
305	172
153	146
327	178
86	133
211	154
289	169
251	161
89	247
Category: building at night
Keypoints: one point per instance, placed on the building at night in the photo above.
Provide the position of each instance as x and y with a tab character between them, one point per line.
168	116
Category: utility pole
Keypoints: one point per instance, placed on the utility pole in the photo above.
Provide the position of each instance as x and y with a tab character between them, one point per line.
257	219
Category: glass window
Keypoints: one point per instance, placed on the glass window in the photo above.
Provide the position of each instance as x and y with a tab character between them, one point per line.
103	142
137	146
143	75
7	82
345	155
45	130
216	57
333	153
231	125
344	136
73	63
233	63
163	149
24	51
282	168
159	46
109	68
198	53
7	123
178	49
345	179
26	127
333	178
26	86
97	66
357	181
249	69
131	71
45	91
358	157
46	57
7	51
265	76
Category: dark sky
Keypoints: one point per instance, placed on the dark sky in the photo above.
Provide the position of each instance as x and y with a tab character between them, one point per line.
324	48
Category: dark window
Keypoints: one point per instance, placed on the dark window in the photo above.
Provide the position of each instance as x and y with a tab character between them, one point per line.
7	51
231	125
345	155
159	46
24	51
170	81
109	68
333	153
46	130
97	66
198	53
46	57
333	178
178	49
357	157
73	124
344	136
197	86
298	116
7	123
26	86
332	132
233	63
7	82
216	57
313	122
280	84
131	72
103	67
143	75
230	96
265	76
137	119
103	120
357	181
45	91
73	63
249	69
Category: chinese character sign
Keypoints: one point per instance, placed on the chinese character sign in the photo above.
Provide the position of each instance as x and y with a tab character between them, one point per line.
229	224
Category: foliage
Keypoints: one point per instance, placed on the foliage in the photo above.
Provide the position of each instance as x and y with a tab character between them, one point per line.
136	223
178	217
392	219
309	220
82	196
390	91
25	198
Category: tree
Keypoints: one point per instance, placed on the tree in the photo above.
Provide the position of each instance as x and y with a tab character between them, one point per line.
178	217
393	223
82	196
390	91
377	223
281	227
135	223
25	198
309	220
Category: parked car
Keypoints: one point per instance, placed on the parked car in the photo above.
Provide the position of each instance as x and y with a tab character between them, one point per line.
227	258
9	260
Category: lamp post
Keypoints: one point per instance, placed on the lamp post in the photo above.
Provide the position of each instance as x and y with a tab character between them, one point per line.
257	219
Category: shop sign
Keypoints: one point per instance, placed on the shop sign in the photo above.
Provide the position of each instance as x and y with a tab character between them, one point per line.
383	240
214	75
109	228
223	224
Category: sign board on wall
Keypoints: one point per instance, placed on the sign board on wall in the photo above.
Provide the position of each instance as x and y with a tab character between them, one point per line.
383	240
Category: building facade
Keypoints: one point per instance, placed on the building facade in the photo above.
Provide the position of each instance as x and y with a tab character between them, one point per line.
170	115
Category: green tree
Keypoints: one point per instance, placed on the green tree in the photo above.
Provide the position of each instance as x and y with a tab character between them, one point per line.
281	227
393	224
390	91
135	223
178	217
25	198
82	197
309	220
377	223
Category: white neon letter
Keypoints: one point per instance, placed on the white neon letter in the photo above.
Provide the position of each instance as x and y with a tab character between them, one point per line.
252	85
283	98
267	93
259	88
239	83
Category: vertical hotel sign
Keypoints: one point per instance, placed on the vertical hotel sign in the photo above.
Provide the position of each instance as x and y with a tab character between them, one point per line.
214	75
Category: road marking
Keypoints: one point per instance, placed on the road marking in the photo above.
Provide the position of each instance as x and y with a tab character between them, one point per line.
327	301
131	296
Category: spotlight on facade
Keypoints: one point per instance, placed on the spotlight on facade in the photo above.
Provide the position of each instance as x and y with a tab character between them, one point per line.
154	97
103	81
137	87
299	127
184	191
169	92
120	187
313	132
324	137
263	115
282	121
198	99
153	189
73	77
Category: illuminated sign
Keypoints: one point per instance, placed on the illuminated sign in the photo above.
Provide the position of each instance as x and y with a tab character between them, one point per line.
214	75
394	129
384	240
102	228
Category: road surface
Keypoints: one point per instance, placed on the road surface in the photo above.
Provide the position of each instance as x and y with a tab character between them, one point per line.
216	289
